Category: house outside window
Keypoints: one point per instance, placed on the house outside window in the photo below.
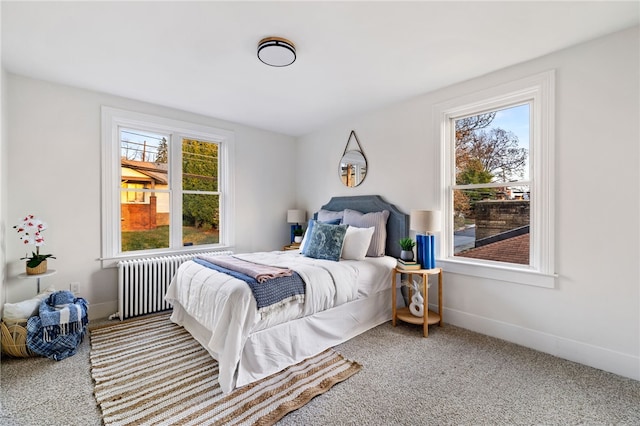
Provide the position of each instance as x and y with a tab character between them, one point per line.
497	175
166	185
132	196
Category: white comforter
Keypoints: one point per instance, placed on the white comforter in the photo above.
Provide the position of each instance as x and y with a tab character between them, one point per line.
225	305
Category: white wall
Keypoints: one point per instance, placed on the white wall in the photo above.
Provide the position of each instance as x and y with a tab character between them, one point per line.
53	152
592	314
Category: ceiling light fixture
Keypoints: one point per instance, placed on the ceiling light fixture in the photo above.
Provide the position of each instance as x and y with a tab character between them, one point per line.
276	51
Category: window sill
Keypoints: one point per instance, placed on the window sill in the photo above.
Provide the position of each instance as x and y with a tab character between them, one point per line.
502	273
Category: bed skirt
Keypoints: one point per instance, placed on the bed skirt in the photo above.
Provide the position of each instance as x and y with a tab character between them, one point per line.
270	350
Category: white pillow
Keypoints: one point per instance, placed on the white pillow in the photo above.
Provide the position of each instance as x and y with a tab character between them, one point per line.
26	308
356	243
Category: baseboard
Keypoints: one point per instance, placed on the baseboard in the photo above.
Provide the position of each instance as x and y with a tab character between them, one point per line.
102	310
594	356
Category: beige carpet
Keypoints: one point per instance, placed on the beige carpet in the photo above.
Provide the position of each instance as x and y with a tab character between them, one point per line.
151	371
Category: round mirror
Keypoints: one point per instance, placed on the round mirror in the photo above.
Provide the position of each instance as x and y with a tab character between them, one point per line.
353	168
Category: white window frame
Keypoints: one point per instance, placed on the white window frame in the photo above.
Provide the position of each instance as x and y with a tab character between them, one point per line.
539	91
113	120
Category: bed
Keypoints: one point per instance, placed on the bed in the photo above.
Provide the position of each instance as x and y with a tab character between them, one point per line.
221	312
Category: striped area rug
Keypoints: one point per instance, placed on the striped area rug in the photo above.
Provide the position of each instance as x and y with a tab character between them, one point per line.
149	371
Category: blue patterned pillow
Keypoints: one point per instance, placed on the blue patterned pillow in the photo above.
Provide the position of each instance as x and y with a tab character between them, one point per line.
325	241
307	234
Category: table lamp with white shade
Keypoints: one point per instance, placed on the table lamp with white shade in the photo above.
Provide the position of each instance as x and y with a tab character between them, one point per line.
425	222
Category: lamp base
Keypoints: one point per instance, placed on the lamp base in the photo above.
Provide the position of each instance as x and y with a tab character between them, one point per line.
293	228
426	249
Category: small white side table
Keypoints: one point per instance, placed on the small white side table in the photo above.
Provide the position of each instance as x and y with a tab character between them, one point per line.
49	272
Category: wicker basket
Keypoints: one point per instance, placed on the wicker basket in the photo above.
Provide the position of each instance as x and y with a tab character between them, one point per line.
40	269
14	338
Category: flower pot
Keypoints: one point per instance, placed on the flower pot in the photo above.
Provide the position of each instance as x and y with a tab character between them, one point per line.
406	255
40	269
297	239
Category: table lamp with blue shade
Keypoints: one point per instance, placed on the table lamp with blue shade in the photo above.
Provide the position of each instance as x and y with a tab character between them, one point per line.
425	222
296	217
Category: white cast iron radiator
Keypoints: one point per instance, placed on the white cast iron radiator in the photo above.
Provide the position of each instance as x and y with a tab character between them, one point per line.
142	283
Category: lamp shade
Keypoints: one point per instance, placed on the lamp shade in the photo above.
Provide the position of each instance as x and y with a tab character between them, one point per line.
296	216
424	221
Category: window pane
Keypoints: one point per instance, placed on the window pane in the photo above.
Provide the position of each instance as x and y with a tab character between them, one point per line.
492	224
143	146
144	215
200	219
199	165
133	196
493	147
145	225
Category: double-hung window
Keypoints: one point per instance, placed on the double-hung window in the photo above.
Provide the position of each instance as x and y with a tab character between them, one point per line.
165	185
497	174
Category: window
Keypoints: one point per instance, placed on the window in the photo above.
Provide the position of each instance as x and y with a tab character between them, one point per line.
165	185
497	175
491	192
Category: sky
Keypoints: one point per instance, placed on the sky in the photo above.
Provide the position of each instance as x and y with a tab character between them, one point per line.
139	137
516	120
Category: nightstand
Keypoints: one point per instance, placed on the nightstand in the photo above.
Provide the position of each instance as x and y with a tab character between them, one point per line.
292	246
404	314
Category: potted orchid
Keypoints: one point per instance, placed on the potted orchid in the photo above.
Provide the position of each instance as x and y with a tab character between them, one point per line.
30	232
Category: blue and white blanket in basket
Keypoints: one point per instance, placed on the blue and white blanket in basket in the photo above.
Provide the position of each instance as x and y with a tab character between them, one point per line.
59	327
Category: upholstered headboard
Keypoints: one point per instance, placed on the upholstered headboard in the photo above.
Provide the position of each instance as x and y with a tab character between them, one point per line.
397	224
